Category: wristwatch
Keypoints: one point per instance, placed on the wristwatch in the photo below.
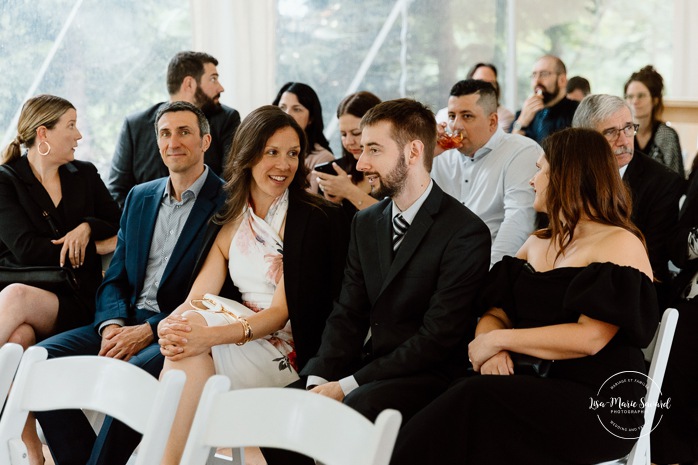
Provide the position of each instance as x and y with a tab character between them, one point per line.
518	127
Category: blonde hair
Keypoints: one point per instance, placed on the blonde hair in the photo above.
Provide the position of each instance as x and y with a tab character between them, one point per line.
42	110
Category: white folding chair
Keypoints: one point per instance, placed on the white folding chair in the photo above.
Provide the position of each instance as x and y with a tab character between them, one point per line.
290	419
10	355
111	386
640	453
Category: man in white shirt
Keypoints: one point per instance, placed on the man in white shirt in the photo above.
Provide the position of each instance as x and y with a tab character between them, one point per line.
491	170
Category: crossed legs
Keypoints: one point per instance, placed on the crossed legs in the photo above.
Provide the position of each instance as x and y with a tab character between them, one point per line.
198	369
26	314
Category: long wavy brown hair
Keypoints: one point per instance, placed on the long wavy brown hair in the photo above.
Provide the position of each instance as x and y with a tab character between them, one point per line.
246	151
584	182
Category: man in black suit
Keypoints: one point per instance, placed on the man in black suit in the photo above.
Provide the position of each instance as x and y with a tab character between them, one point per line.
656	189
399	331
191	77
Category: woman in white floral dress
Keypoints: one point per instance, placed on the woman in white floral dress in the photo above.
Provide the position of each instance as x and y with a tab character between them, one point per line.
266	208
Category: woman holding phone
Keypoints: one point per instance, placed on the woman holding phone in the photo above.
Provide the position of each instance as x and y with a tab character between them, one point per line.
340	181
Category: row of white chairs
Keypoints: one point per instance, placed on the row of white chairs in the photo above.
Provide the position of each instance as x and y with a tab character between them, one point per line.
268	417
291	419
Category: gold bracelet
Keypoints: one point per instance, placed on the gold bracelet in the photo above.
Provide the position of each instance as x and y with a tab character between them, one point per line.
246	332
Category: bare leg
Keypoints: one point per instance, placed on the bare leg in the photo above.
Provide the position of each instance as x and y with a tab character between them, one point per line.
31	439
24	336
21	304
198	370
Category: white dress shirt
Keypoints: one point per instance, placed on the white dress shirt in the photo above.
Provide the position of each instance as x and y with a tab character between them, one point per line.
494	184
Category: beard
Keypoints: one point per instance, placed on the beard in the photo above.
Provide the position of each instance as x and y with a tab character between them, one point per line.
392	183
550	96
207	104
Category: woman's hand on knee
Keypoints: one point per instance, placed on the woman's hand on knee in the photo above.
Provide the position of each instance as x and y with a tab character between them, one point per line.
173	324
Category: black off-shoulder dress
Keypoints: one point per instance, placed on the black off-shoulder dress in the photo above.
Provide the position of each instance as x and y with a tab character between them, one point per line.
530	420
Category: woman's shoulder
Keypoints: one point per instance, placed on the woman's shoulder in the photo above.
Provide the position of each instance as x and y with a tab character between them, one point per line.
81	167
619	246
225	235
532	246
665	129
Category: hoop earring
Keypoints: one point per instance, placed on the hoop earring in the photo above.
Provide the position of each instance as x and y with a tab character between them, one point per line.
43	154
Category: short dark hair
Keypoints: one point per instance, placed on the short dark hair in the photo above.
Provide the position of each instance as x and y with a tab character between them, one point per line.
410	120
185	64
204	127
578	82
310	100
486	91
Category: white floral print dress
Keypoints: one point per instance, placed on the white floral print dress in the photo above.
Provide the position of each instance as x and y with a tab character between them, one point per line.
256	267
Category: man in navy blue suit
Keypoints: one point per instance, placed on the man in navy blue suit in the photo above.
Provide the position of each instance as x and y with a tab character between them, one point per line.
162	229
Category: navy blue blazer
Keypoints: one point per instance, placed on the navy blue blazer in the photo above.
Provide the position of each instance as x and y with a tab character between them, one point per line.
123	282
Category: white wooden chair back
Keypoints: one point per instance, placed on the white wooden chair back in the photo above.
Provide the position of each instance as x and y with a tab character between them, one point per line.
290	419
10	355
106	385
640	453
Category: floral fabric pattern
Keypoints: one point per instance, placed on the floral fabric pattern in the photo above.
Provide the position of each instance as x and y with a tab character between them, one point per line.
256	267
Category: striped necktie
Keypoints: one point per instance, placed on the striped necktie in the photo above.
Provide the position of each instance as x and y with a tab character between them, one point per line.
399	229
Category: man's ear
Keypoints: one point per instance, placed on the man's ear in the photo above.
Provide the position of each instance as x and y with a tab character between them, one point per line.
416	152
206	142
188	86
494	122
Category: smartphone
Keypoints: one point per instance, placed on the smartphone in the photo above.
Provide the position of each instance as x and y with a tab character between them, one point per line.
326	168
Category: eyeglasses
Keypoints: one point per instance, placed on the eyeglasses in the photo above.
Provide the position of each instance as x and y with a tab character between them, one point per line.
542	74
612	134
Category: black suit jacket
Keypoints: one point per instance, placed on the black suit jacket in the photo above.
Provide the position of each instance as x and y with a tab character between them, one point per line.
315	248
124	279
137	158
678	243
25	233
419	305
656	191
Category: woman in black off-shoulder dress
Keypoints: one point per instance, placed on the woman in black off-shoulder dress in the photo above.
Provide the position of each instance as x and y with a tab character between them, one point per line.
580	293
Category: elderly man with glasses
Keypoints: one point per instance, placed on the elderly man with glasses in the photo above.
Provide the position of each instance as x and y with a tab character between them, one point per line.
655	188
548	109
